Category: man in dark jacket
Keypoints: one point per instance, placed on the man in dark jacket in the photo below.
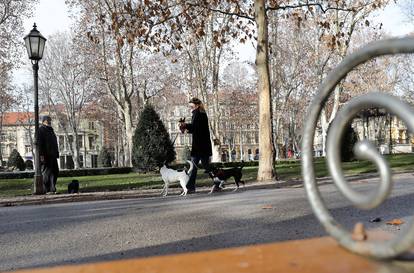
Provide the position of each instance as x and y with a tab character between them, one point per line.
201	144
49	153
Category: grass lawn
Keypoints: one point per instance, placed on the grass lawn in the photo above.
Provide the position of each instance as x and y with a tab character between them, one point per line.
117	182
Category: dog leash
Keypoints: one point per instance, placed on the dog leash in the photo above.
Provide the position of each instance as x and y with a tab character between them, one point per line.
175	139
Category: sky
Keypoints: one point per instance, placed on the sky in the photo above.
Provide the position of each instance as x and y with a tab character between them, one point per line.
52	16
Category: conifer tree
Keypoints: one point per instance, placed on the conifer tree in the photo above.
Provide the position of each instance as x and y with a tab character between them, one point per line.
349	140
29	164
152	146
15	160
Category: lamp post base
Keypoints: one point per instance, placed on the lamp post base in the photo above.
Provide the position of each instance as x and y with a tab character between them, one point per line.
38	185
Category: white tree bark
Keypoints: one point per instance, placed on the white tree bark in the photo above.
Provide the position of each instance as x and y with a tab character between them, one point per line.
266	156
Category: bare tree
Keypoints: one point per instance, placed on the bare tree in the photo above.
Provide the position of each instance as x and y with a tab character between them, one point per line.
319	40
6	103
115	48
340	29
120	27
24	95
205	57
12	14
67	84
407	7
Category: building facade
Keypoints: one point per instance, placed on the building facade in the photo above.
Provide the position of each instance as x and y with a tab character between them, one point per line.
388	133
238	140
90	141
17	133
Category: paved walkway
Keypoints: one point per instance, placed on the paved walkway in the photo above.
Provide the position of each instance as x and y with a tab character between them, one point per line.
88	232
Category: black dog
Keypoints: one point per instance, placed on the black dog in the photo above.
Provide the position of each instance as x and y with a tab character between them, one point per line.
221	175
73	187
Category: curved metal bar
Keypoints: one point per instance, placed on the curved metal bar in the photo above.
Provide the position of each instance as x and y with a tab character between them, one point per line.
404	240
364	149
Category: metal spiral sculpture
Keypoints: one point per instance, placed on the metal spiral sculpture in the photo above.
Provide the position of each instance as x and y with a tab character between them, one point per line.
363	149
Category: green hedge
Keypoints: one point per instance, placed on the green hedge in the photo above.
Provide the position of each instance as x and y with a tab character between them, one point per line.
68	173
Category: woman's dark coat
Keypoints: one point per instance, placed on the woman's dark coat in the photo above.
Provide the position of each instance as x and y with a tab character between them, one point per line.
199	128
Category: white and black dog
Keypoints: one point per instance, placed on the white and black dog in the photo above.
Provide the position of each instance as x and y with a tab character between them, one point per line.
220	176
170	175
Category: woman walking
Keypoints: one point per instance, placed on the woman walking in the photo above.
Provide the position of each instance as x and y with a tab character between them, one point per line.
201	144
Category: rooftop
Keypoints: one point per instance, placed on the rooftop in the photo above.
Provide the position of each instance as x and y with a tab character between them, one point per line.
16	118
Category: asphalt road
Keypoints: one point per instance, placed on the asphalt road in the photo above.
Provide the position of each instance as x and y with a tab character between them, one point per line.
57	234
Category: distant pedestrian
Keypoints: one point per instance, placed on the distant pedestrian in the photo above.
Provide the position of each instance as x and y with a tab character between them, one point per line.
49	153
201	143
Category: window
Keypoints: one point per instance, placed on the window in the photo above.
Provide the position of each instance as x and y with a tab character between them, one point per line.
27	137
12	136
11	148
80	142
28	149
61	142
91	143
249	139
3	137
182	140
94	159
91	125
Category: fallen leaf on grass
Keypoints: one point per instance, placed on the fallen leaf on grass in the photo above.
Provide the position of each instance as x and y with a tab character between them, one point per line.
395	222
267	207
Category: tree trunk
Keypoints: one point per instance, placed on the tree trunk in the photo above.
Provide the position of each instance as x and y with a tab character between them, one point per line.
216	157
117	148
216	56
1	130
241	145
129	131
230	159
325	122
76	149
266	158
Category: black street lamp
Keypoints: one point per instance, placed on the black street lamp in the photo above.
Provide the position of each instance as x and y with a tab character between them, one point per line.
35	44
